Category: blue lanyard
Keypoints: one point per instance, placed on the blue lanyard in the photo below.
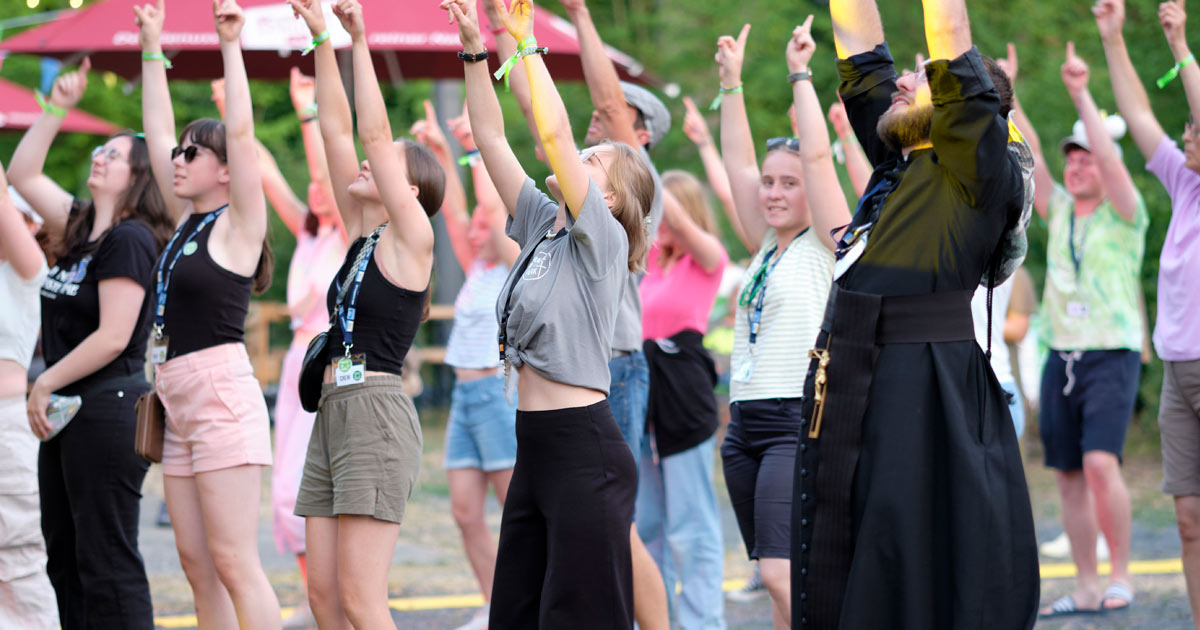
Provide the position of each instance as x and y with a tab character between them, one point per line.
1077	255
163	276
346	310
760	287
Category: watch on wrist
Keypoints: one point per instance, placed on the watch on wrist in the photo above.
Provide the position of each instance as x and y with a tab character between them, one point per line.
800	76
472	57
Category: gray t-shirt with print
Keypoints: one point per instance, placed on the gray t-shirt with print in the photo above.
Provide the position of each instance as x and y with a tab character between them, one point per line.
628	334
564	305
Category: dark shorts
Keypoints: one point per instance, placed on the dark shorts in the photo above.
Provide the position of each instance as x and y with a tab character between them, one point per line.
1179	426
1086	403
758	456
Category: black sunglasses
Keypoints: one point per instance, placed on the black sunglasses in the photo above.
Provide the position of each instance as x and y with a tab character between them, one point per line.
189	153
791	144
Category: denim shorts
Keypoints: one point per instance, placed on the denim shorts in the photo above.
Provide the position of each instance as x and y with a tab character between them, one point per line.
482	430
628	396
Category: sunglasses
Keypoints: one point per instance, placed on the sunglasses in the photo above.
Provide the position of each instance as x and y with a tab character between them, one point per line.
188	154
791	144
109	154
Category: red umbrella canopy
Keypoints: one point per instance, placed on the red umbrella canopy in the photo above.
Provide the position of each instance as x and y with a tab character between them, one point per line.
408	38
19	108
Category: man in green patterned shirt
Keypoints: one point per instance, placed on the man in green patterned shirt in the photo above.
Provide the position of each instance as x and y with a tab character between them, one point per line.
1097	228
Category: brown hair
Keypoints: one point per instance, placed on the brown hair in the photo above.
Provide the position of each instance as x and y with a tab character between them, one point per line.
426	174
633	186
690	193
141	201
1003	85
210	133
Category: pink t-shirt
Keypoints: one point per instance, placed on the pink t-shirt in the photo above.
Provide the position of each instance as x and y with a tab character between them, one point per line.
315	262
679	299
1176	335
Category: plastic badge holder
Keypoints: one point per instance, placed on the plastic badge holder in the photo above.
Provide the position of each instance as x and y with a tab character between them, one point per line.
60	412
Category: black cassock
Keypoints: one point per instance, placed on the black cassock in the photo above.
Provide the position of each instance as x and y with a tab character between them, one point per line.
910	508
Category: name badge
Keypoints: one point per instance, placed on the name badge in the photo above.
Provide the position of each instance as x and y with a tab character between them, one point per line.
744	371
1077	309
351	370
158	350
844	263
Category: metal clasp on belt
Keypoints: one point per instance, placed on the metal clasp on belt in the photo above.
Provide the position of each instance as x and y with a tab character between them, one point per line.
819	383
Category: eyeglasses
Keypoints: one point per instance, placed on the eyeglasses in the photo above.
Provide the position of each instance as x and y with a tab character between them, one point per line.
189	153
109	154
791	144
588	154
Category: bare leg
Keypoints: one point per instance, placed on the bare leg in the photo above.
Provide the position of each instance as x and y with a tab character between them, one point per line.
649	594
364	548
1187	515
229	501
214	608
1113	511
777	577
321	536
1079	519
500	480
468	493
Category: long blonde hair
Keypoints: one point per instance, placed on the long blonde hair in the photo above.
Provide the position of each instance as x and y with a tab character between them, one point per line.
633	189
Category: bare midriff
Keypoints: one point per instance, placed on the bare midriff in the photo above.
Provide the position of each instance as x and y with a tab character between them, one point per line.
466	375
538	393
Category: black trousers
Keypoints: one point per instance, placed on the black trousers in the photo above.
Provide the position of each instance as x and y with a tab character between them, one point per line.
91	482
564	558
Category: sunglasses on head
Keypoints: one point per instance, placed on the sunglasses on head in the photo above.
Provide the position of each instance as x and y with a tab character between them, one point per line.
791	144
189	153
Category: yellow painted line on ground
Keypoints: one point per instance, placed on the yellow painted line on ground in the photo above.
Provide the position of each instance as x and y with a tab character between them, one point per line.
447	602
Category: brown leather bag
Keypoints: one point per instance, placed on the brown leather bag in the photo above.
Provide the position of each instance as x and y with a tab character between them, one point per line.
151	422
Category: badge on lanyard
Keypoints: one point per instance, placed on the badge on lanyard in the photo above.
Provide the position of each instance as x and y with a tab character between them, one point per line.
158	349
1077	309
843	264
350	370
744	370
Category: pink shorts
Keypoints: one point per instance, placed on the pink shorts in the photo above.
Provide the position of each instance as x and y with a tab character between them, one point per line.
216	415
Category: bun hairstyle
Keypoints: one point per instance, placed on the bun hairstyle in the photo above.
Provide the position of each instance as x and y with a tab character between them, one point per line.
426	174
633	188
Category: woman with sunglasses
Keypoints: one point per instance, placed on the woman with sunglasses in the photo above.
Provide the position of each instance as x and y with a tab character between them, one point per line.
95	321
217	438
778	317
365	449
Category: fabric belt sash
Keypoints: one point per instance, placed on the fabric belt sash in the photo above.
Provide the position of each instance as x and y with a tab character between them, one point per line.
854	328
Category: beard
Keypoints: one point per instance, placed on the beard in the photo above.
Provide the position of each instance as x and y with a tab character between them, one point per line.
903	129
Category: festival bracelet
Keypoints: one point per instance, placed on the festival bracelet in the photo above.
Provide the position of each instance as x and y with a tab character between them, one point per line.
470	159
50	108
157	56
1167	78
716	104
525	47
308	114
317	41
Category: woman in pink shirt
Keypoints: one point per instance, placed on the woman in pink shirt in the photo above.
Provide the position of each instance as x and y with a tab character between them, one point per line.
676	505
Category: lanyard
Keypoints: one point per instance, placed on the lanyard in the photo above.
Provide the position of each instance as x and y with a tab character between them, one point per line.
163	275
346	311
1077	255
758	289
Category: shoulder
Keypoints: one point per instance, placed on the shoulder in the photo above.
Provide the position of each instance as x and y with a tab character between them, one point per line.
131	234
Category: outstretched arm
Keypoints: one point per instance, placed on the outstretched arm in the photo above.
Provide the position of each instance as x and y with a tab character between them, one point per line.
454	204
857	166
737	143
947	28
303	90
158	116
703	247
1118	185
826	200
856	26
1043	181
1172	15
696	130
19	247
1132	101
25	169
518	85
604	85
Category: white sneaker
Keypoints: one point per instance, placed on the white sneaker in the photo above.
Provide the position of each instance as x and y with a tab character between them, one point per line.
753	590
479	621
1060	548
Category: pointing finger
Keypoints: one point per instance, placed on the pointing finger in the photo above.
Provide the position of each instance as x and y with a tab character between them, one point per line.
807	23
741	39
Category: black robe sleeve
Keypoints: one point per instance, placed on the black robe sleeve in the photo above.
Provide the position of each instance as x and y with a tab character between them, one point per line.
868	83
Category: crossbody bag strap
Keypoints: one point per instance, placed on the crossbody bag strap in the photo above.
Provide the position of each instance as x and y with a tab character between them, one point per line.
368	246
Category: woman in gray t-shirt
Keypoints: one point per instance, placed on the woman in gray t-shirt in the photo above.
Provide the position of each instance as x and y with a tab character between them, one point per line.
564	556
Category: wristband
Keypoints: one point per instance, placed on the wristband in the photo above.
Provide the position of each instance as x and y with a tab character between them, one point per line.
1167	78
317	41
499	30
50	108
472	57
525	47
157	56
716	104
470	159
308	120
799	76
307	113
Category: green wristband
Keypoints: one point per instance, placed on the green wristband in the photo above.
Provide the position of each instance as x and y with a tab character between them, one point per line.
716	104
1167	78
50	108
525	47
152	56
317	41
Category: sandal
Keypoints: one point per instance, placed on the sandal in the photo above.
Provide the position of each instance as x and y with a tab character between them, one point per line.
1119	591
1065	605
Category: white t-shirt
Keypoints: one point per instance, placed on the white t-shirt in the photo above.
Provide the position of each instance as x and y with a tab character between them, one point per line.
1000	297
20	313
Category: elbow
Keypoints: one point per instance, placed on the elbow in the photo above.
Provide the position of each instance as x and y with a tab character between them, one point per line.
371	134
815	155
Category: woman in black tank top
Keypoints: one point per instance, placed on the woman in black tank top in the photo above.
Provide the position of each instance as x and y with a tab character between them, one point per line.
218	436
365	449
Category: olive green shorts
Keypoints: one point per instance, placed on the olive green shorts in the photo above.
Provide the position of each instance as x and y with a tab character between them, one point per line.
364	454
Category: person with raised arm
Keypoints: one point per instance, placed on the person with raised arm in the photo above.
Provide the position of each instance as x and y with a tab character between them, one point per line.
908	471
696	129
778	311
847	151
365	450
481	436
564	556
95	319
217	437
1176	339
26	596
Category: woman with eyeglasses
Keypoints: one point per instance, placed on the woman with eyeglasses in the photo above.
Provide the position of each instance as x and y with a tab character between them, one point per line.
95	316
779	314
217	438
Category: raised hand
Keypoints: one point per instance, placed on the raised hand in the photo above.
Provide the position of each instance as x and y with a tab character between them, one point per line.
1172	15
1110	17
350	14
229	20
1074	72
517	18
310	12
461	128
428	133
462	12
730	55
303	90
800	47
573	5
70	86
149	18
837	117
694	126
1009	63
